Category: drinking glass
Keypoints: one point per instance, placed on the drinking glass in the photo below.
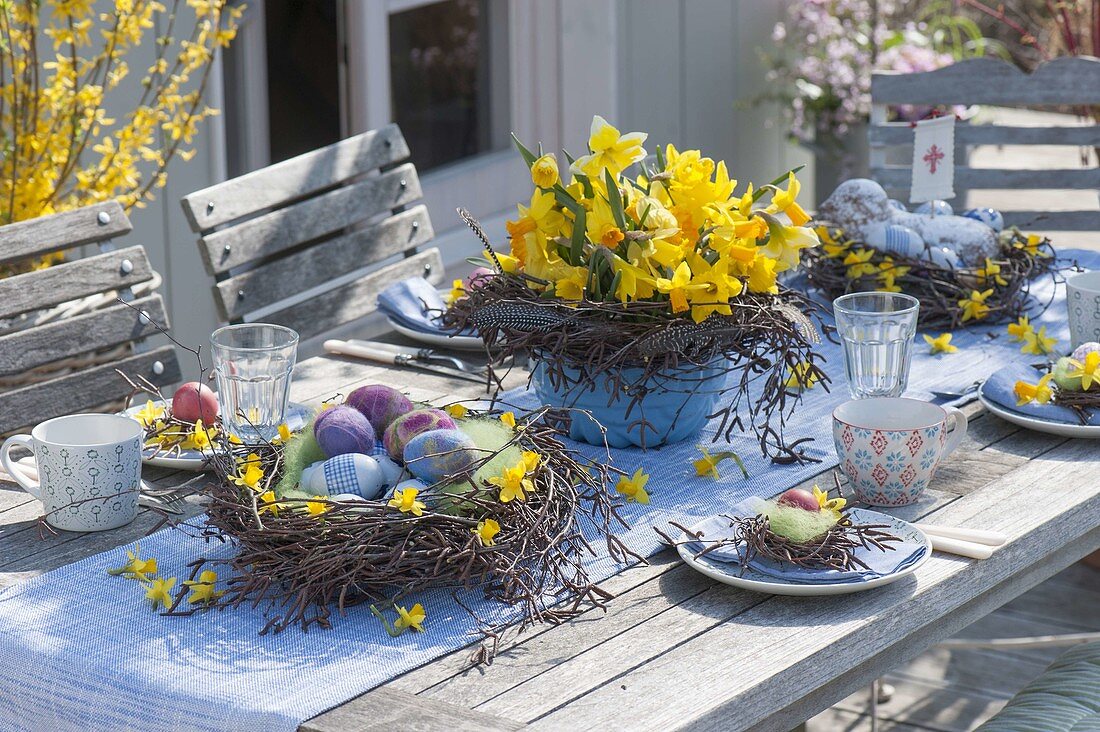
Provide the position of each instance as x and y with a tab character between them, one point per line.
252	363
877	330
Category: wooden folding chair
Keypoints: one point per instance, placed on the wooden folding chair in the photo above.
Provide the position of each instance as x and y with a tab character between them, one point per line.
275	239
62	330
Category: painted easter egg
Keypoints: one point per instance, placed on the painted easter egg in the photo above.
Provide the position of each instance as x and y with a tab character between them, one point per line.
1061	371
991	217
341	430
799	499
380	404
420	486
897	205
351	472
392	471
1082	351
408	426
903	241
479	276
434	455
193	401
939	208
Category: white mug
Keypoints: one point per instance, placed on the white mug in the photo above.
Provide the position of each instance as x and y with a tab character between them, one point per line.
89	469
1083	303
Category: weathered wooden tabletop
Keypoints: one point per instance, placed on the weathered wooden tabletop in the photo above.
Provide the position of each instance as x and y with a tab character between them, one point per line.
675	649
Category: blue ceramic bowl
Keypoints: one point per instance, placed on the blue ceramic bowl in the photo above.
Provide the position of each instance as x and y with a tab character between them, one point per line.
674	409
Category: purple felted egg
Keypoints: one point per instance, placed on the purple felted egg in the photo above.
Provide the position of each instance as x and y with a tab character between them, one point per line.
341	430
408	426
380	404
434	455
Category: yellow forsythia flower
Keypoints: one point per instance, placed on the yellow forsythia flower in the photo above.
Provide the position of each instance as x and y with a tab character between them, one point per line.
202	589
159	592
485	531
634	486
941	343
413	618
1038	343
513	483
404	500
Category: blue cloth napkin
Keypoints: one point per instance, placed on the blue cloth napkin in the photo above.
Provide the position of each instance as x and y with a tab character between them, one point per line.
415	304
879	563
999	388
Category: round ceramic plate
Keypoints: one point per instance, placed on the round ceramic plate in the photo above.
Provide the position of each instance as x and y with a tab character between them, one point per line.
1062	429
456	343
730	573
296	418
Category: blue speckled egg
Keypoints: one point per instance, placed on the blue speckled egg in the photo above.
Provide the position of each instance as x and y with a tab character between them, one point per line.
434	455
991	217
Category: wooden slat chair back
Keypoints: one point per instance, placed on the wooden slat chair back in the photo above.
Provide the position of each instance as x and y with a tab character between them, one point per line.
30	343
274	239
1069	83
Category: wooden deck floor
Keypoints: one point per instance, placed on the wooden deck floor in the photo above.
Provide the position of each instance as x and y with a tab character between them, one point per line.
954	691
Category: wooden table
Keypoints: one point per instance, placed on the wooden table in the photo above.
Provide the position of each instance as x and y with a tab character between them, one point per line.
674	649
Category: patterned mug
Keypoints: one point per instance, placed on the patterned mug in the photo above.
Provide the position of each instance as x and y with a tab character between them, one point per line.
89	466
1083	305
890	447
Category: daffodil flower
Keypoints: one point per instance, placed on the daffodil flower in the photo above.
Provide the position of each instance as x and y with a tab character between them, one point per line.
1038	343
485	531
1088	371
708	464
1032	245
513	483
249	472
508	419
859	263
413	618
784	202
136	568
829	504
634	486
458	411
159	592
199	438
610	150
1019	330
149	414
404	500
991	272
531	460
458	291
676	287
285	433
268	502
785	242
974	307
802	376
318	506
544	171
202	589
1040	393
940	344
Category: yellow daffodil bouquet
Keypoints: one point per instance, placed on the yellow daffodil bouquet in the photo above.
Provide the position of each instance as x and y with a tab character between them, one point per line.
661	273
495	510
996	291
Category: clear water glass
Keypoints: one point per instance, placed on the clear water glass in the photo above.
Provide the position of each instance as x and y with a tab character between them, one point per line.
877	330
252	363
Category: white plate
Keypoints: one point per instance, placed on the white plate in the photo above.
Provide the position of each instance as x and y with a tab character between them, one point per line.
457	343
296	418
1062	429
730	573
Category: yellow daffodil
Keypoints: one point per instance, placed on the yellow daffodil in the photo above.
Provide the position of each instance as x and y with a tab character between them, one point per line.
1033	245
544	171
974	307
1019	330
318	506
136	568
508	419
802	376
249	472
829	504
785	242
458	291
404	500
1088	371
159	592
199	438
513	483
634	486
859	263
202	589
413	618
234	440
458	411
888	273
762	275
784	202
1038	343
610	150
940	344
149	414
676	287
285	433
708	464
1040	393
531	460
268	503
485	531
991	273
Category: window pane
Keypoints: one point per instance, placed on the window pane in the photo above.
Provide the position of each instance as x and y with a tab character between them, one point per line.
448	66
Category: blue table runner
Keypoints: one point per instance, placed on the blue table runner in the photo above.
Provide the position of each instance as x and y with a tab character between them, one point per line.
81	650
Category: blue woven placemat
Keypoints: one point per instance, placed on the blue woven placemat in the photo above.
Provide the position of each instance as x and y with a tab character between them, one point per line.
81	650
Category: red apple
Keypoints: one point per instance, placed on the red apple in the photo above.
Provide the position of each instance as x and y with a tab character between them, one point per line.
193	402
799	499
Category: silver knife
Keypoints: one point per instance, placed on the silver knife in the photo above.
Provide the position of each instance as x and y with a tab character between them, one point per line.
422	354
370	352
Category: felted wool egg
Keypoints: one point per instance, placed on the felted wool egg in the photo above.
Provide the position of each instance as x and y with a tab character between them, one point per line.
432	456
342	430
380	404
408	426
193	401
350	472
1082	351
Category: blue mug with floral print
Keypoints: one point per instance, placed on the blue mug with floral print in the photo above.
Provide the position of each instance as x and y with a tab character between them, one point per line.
88	468
890	447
